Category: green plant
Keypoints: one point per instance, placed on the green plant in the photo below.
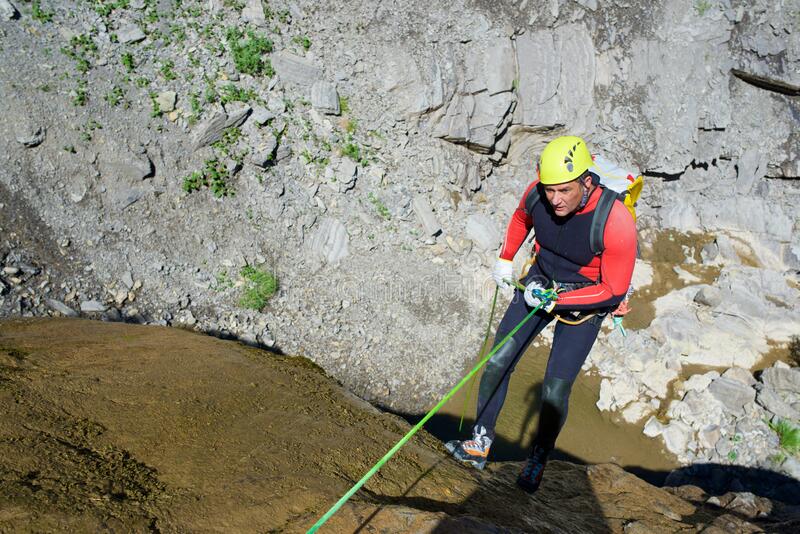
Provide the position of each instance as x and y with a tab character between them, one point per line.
380	207
227	143
231	93
39	14
79	98
69	149
142	81
302	40
79	47
732	455
156	109
114	97
90	126
45	88
788	434
167	71
344	104
702	6
260	285
104	8
248	53
214	176
794	349
127	61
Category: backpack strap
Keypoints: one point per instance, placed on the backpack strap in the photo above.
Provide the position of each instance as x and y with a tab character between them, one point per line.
534	195
599	219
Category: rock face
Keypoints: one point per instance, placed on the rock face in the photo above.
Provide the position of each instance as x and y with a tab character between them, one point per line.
153	449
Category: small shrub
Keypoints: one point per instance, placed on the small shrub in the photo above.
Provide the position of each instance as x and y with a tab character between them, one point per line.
214	176
127	61
344	104
248	53
80	97
260	285
40	14
114	97
380	207
788	434
303	41
167	71
702	6
231	93
156	109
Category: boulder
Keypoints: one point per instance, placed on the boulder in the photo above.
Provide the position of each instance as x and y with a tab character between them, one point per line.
166	101
325	98
709	296
732	394
130	33
772	402
427	219
330	242
122	165
482	231
296	69
61	308
253	12
7	10
782	379
676	436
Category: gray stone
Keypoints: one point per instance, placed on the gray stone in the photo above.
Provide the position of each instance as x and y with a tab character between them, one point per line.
676	436
30	134
262	115
125	166
482	231
709	436
427	219
709	296
7	10
325	98
752	167
122	197
653	427
127	279
130	33
60	307
782	379
740	375
772	402
211	130
166	101
330	242
264	151
732	394
295	69
710	252
253	12
588	4
346	173
93	306
237	114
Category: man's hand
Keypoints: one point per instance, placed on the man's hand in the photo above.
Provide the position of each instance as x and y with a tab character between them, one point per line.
503	270
536	295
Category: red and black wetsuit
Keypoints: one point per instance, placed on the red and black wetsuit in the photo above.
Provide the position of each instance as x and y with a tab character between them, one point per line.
563	256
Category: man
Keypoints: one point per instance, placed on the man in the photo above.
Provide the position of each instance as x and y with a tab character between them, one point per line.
560	207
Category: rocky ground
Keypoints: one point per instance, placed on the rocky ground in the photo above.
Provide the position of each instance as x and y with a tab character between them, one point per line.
369	156
111	426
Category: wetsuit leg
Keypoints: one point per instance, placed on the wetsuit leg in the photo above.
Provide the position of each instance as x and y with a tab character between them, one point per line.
571	346
497	373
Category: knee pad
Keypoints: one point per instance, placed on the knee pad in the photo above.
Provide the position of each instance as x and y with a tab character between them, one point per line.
555	392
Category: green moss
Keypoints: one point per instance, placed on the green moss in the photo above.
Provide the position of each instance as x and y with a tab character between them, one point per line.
260	285
248	52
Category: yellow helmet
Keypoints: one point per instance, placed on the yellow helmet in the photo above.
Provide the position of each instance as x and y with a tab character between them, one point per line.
563	160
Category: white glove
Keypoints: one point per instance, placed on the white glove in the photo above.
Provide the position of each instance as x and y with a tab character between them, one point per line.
533	300
503	269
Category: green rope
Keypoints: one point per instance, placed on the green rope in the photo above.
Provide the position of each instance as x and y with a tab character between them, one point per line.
419	425
480	354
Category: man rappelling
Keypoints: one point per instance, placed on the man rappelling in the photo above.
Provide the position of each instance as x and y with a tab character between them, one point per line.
585	250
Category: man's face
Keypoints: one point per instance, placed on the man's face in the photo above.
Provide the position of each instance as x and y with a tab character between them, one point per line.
565	198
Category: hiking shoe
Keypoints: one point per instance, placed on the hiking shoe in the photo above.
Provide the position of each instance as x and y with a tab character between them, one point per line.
531	476
473	451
